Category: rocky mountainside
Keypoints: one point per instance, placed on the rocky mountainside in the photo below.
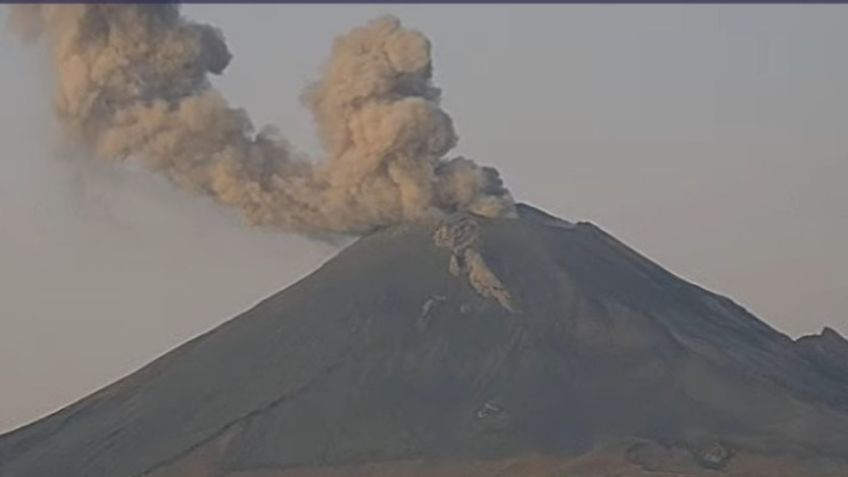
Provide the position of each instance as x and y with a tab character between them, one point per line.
468	346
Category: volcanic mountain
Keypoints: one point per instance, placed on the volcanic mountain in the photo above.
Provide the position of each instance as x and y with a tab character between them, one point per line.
468	346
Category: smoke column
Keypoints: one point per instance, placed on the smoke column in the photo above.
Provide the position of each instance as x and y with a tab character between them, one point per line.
132	84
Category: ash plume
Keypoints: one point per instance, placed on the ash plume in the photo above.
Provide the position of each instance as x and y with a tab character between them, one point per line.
132	85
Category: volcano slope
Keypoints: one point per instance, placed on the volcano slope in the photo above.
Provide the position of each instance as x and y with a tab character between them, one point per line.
469	346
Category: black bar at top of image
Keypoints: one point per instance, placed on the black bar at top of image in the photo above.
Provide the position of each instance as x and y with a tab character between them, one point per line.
449	2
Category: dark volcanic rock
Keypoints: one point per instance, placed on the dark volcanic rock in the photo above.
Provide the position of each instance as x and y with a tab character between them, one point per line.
827	350
464	340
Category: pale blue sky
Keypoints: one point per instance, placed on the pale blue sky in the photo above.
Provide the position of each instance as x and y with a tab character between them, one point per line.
711	138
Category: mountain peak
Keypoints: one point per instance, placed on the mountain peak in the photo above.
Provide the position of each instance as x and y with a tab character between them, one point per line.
828	350
462	340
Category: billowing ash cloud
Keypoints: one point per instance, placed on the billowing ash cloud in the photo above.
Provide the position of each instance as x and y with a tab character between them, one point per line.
132	84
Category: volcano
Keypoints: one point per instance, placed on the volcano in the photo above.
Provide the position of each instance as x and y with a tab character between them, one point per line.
467	346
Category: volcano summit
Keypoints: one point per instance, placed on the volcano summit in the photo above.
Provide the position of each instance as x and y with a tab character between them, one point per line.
468	346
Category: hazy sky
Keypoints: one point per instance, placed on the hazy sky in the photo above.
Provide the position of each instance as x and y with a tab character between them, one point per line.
711	138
